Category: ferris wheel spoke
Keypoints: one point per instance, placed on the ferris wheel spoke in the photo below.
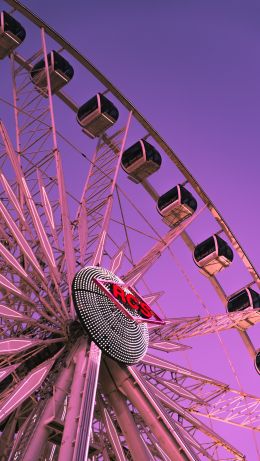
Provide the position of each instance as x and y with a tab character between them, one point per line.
168	346
181	328
153	297
8	433
151	361
97	257
137	272
112	433
25	388
220	444
42	133
43	239
83	231
97	173
183	413
45	244
97	195
47	208
13	199
6	371
179	390
131	383
12	262
12	314
203	396
18	292
26	249
116	261
232	407
11	347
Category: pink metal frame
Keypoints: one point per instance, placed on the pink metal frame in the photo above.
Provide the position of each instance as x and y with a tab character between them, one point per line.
149	396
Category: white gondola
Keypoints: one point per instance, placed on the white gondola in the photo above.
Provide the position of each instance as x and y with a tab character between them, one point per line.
141	160
212	255
12	34
176	205
97	115
60	71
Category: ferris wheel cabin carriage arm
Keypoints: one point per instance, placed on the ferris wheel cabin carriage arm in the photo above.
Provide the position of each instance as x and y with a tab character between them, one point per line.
147	126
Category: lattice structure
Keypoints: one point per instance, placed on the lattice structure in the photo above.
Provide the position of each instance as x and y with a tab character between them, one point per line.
61	399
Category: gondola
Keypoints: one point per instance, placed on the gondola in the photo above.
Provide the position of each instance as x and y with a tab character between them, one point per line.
97	115
141	160
60	71
212	255
12	34
176	205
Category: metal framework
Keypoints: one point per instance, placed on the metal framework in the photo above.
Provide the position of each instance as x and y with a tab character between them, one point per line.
60	397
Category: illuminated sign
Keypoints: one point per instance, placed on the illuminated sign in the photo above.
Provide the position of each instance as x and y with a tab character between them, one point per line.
128	301
114	316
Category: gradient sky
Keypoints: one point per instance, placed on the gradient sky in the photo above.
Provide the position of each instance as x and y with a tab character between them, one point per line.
192	68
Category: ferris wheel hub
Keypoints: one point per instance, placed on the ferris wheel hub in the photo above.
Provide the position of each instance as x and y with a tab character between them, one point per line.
74	330
112	326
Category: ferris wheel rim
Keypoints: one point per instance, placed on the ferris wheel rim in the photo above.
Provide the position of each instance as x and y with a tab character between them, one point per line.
136	375
141	119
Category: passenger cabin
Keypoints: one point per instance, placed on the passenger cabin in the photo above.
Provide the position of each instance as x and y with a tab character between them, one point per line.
12	34
212	255
141	160
257	362
60	71
176	205
244	299
97	115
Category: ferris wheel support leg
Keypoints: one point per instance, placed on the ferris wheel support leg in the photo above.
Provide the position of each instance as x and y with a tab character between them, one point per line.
124	416
53	407
71	421
87	407
8	435
248	343
148	413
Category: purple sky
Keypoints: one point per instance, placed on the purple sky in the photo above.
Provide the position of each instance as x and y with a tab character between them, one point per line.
193	70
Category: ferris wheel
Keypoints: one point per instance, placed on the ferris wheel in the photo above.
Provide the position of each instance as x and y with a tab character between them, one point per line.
92	258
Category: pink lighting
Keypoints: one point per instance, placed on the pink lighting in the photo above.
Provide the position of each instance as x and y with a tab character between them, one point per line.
130	302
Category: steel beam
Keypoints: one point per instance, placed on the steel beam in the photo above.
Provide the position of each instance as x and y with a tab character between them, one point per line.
169	444
54	405
74	404
123	415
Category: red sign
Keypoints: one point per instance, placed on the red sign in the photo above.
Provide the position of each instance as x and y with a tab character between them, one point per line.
129	300
125	300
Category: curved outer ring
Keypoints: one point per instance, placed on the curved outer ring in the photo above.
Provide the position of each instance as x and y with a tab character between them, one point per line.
155	135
